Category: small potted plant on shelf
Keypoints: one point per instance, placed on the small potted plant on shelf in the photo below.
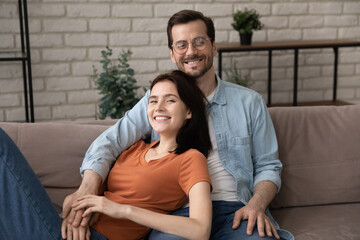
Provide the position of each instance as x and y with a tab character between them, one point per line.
245	22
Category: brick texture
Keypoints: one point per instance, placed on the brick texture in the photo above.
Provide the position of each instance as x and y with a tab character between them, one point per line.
67	36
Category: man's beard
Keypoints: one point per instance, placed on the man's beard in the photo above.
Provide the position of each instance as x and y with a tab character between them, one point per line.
193	74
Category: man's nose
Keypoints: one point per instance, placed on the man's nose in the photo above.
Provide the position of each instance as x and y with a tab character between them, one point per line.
191	50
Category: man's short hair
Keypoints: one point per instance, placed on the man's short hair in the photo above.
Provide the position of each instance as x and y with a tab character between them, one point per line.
186	16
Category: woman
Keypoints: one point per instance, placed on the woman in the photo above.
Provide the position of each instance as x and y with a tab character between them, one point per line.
148	181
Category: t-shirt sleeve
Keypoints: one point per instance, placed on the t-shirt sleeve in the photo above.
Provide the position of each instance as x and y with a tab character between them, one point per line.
193	169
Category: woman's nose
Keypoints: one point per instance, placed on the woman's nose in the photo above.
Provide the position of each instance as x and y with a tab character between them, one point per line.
159	106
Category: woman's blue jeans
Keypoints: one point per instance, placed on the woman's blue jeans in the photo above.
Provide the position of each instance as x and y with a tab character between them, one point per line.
26	211
223	215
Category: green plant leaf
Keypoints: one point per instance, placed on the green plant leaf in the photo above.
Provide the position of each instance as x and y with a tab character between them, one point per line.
234	75
116	83
246	21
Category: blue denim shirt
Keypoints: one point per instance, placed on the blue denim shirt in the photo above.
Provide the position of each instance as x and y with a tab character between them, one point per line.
245	136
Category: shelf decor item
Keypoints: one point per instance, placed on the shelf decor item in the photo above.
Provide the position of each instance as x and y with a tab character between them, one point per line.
245	22
117	85
234	75
23	55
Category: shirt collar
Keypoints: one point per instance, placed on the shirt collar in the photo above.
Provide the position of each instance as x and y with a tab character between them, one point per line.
219	96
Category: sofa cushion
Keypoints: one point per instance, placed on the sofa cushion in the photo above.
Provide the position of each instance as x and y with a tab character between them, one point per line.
319	149
325	222
55	151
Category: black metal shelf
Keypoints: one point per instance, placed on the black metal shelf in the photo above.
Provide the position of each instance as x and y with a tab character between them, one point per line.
12	56
24	57
288	45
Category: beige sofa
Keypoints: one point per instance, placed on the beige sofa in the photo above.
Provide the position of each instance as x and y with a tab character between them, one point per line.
319	148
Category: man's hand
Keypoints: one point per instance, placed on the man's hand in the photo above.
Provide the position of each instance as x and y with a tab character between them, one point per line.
73	222
254	211
255	216
70	232
74	217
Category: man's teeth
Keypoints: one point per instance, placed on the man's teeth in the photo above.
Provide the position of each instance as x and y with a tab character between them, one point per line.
161	118
193	62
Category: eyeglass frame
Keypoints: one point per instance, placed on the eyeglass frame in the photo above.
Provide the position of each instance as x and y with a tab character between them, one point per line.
192	42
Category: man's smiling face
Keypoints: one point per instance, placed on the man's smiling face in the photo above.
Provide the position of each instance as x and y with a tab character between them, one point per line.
193	62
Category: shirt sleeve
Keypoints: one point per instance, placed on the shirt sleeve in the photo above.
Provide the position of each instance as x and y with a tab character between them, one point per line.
110	144
267	166
193	169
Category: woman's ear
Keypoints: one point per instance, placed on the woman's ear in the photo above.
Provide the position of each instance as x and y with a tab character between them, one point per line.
189	115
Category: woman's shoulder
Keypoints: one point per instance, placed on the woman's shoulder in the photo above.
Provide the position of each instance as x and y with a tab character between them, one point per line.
192	155
193	169
193	152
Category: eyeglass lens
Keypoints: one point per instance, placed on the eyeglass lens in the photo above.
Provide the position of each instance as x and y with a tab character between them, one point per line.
181	46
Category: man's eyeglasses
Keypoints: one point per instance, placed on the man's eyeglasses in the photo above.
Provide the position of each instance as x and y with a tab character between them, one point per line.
182	46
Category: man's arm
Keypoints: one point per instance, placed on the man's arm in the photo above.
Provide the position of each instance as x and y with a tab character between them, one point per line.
267	168
103	152
265	151
111	143
91	183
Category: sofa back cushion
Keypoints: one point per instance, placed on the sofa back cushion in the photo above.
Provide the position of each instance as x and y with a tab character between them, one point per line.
318	146
55	151
320	151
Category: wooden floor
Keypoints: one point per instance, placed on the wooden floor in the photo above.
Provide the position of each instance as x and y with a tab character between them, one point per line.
319	103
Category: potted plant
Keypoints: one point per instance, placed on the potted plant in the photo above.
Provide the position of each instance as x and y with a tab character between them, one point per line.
245	22
117	84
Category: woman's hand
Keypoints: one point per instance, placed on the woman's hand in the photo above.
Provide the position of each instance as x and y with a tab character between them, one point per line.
100	204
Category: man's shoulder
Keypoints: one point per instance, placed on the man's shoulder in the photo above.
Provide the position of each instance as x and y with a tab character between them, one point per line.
235	90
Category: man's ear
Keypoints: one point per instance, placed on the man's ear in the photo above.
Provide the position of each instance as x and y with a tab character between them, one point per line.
189	115
172	56
214	49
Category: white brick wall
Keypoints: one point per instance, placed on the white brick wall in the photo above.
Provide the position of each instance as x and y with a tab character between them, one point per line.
9	100
8	10
7	41
68	25
46	10
289	8
67	37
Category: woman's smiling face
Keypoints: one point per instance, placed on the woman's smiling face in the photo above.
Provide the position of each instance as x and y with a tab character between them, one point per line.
166	111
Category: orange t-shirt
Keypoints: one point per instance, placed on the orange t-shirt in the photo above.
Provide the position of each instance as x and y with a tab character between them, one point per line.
161	185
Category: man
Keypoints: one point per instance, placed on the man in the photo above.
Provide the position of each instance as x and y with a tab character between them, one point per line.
243	166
